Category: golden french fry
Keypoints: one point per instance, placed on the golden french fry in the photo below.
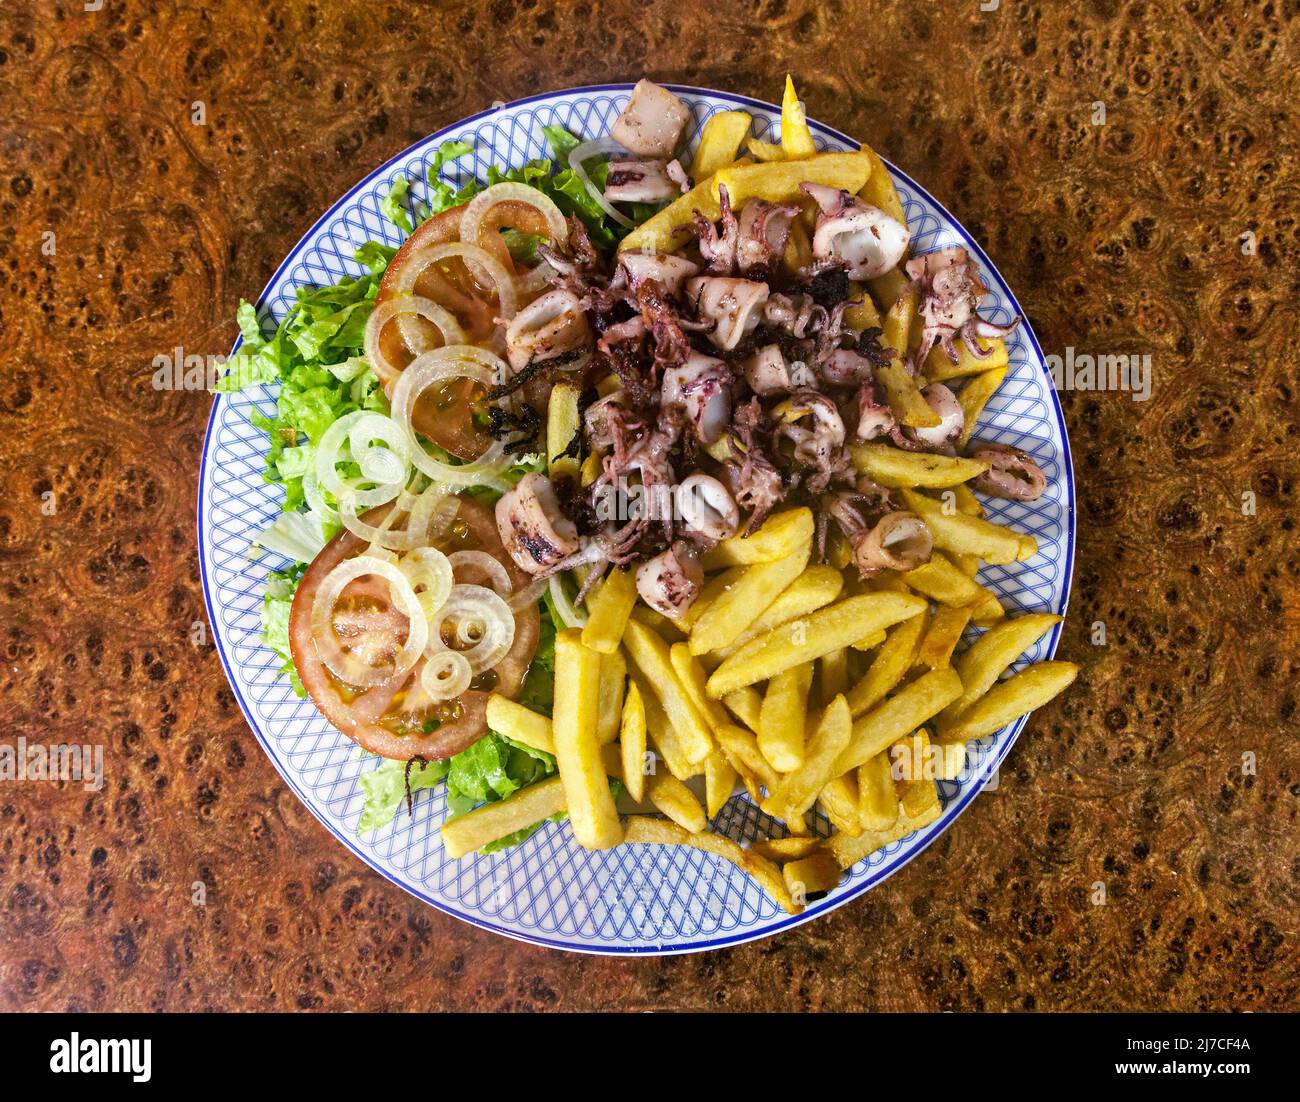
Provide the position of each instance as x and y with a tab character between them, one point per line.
613	680
644	830
938	368
825	630
967	502
720	141
778	181
741	748
849	851
911	764
745	704
901	391
796	138
719	781
877	796
949	760
863	314
658	623
985	660
901	714
941	581
970	566
519	810
816	587
608	610
671	227
675	800
764	151
577	752
812	875
562	422
1027	549
652	657
797	791
714	588
973	398
896	468
833	675
693	677
661	735
781	722
790	848
782	534
962	533
839	801
870	642
1031	688
880	192
738	606
632	742
888	667
888	288
512	719
942	636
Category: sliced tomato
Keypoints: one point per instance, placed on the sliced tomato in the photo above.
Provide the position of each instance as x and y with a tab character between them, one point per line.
445	416
393	720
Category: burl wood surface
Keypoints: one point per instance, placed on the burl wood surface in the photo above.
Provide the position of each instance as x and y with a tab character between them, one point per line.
1122	237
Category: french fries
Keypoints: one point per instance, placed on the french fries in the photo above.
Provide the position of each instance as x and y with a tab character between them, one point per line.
781	722
613	678
577	752
879	190
562	422
797	791
720	141
674	799
904	396
1031	688
670	227
942	636
825	630
833	675
839	801
745	704
815	588
632	742
651	655
990	655
518	811
848	850
896	468
974	397
778	181
608	609
741	748
782	534
894	659
747	598
796	138
877	795
661	735
912	768
943	583
764	151
812	875
509	718
938	368
901	714
720	778
965	534
645	830
790	848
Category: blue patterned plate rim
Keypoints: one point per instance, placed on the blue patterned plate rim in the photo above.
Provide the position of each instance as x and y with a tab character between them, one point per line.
928	834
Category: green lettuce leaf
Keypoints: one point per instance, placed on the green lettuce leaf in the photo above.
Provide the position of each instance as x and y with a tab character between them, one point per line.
393	205
276	604
385	789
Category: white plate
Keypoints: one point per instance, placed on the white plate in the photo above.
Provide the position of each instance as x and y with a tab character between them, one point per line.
633	899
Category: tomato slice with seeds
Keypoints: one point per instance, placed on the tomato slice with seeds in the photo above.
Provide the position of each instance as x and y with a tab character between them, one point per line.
396	720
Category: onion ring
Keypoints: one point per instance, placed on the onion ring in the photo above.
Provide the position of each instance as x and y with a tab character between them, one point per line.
471	605
480	262
489	566
382	314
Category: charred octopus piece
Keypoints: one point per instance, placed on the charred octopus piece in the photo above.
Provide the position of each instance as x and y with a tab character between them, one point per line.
670	582
899	541
707	508
1012	473
719	244
863	238
735	306
952	419
951	290
651	124
875	418
701	388
552	325
533	527
639	182
762	233
766	371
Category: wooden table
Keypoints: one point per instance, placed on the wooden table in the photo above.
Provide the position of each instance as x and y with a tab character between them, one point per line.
1109	155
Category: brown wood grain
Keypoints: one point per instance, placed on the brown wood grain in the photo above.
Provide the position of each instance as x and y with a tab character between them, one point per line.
1121	238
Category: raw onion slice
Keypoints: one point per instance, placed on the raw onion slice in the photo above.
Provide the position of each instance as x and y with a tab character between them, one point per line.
341	663
431	578
481	263
568	613
440	365
585	151
446	674
384	468
400	306
482	620
471	224
428	515
489	565
528	596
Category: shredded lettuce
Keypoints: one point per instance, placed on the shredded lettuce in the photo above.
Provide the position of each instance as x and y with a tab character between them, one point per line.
281	585
393	205
385	789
